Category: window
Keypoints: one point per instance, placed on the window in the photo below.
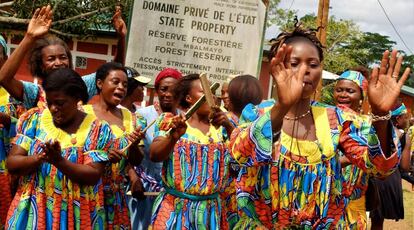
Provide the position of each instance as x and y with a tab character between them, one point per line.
81	62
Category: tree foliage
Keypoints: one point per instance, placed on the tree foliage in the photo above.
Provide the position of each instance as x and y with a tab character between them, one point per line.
278	16
79	18
368	48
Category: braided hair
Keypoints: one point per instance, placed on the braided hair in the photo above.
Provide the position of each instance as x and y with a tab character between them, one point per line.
298	32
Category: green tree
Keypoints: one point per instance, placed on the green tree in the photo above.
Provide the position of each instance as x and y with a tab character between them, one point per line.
409	62
80	18
368	48
283	18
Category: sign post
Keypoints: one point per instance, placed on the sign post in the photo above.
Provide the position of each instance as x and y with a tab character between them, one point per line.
217	37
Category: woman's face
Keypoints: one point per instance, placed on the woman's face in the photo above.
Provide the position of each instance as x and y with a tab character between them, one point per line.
305	53
114	87
165	93
62	107
194	94
54	57
347	93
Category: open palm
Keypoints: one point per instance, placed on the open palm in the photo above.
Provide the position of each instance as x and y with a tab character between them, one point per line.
41	21
289	83
118	22
384	86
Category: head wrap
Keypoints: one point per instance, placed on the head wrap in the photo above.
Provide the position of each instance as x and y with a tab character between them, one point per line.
167	72
399	111
3	44
357	78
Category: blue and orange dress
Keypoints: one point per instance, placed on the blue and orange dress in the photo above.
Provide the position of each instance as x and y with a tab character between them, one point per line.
298	183
193	178
47	198
115	177
355	187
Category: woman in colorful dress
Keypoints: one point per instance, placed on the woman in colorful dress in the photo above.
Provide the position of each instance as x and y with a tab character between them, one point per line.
60	153
164	84
350	91
111	82
242	91
195	157
300	183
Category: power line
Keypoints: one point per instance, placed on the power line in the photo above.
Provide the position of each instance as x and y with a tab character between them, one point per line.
291	4
395	29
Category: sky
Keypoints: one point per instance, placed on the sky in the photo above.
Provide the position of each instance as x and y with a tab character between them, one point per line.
367	14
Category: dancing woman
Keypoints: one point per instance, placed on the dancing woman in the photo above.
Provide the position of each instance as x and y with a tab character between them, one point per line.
112	82
195	157
350	91
301	183
60	154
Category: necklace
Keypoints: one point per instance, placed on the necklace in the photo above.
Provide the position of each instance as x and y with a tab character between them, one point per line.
298	117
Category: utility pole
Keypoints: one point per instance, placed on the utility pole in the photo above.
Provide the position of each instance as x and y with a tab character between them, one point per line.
322	23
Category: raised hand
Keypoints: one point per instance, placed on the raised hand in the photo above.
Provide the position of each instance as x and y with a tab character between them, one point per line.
119	23
289	83
41	21
384	86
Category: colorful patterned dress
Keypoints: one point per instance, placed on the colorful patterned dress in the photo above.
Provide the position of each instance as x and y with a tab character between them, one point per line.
114	179
355	186
299	182
237	173
193	178
47	198
229	214
7	107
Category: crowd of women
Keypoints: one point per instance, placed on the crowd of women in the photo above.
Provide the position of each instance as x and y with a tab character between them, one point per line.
252	164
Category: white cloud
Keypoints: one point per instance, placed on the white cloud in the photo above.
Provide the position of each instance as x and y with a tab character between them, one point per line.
367	14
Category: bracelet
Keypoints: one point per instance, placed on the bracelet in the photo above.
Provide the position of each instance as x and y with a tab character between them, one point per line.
380	118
